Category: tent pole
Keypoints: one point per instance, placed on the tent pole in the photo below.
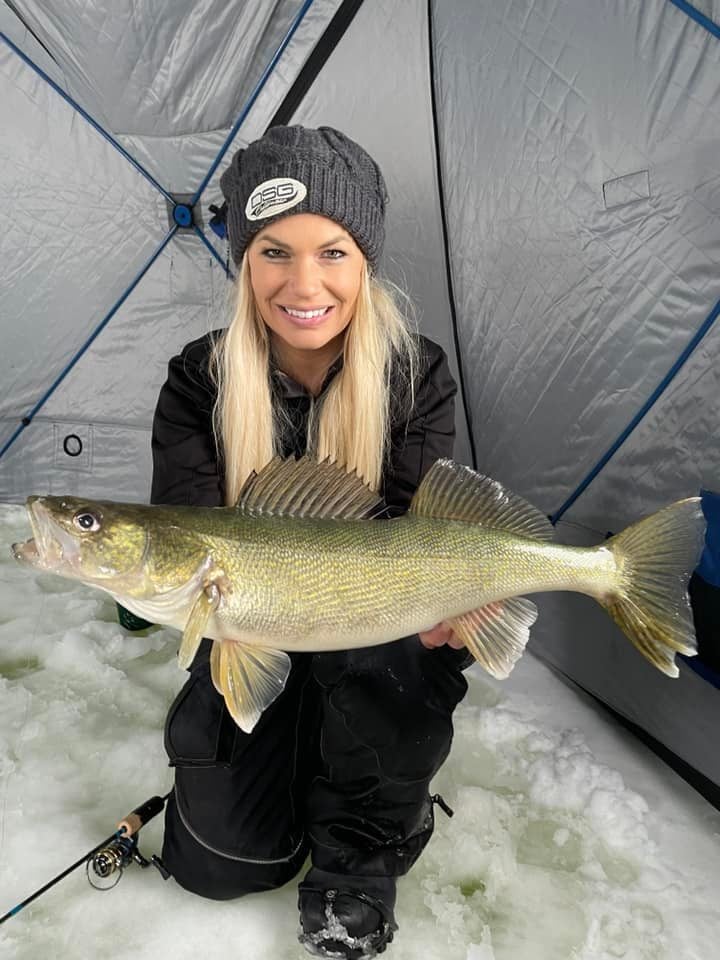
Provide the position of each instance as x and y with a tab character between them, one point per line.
698	17
86	116
27	420
251	101
654	396
203	236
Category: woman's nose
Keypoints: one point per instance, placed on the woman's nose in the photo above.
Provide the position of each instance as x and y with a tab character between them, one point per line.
305	277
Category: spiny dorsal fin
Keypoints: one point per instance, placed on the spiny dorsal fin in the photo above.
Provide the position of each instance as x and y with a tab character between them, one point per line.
308	489
455	492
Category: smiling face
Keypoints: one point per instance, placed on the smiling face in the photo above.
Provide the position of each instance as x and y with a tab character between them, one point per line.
305	272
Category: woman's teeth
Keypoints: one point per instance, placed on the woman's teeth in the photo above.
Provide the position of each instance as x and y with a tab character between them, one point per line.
306	314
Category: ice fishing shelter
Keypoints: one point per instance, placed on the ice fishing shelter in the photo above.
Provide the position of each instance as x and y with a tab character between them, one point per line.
555	190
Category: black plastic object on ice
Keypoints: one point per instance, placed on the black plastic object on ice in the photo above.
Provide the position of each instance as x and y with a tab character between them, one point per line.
130	621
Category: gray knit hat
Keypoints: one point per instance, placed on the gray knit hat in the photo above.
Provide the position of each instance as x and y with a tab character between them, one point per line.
299	170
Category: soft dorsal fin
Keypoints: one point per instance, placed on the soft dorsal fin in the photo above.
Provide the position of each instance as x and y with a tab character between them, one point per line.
455	492
308	489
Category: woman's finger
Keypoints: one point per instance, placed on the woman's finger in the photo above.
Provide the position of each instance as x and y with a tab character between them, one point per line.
439	635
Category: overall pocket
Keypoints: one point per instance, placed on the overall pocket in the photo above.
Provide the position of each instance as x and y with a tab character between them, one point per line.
199	731
236	793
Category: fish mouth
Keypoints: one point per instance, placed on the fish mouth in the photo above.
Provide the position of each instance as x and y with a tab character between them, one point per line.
51	548
26	553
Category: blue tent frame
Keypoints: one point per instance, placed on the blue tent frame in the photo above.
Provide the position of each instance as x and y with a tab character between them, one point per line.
182	213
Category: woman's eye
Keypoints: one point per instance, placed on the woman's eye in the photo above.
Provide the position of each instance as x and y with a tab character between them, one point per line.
273	253
334	254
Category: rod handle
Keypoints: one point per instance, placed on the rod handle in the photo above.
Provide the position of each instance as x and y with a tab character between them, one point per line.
132	823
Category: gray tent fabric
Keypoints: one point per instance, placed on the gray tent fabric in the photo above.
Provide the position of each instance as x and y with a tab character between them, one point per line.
594	225
555	193
84	222
682	714
397	33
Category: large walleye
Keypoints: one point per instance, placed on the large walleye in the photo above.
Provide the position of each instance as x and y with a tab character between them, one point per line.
299	564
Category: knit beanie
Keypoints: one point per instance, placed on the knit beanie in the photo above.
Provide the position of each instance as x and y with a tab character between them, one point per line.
299	170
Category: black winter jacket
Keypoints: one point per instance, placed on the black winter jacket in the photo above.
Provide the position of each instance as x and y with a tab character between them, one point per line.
340	763
186	468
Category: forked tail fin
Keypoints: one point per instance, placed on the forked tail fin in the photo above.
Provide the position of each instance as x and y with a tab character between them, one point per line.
655	558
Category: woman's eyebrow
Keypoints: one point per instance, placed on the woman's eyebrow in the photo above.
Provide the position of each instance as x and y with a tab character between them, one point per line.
277	243
286	246
331	243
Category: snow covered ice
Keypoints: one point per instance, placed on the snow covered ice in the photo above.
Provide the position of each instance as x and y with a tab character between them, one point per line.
570	841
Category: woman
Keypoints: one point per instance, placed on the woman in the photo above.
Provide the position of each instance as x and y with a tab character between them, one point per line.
317	359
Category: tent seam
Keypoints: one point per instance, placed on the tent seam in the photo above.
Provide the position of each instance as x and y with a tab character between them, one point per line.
26	25
446	244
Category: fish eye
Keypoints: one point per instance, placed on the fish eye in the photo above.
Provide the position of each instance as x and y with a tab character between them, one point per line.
86	521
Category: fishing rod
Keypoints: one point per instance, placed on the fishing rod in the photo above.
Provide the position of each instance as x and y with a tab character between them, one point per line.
105	863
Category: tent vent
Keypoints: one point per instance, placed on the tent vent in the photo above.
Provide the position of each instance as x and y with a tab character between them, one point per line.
628	189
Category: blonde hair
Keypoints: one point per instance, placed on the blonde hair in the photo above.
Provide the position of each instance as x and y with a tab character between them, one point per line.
350	423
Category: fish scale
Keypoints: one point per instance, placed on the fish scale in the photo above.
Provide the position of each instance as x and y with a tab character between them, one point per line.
335	577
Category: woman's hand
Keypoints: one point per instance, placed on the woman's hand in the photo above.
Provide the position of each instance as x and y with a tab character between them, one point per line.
438	635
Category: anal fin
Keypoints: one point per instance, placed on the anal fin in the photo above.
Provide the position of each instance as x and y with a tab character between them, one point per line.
496	634
248	677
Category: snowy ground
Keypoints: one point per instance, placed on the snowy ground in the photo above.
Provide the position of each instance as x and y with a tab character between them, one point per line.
570	840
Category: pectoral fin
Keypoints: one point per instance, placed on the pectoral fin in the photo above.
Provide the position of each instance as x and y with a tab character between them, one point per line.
496	635
207	602
248	677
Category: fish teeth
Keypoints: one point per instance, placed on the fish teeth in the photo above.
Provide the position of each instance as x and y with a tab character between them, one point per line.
305	314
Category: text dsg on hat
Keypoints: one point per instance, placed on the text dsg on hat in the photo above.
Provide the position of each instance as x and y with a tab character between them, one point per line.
274	196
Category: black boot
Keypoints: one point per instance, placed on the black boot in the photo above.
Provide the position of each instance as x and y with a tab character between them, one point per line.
346	917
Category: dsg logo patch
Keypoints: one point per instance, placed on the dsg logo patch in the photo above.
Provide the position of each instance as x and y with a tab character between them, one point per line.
274	196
